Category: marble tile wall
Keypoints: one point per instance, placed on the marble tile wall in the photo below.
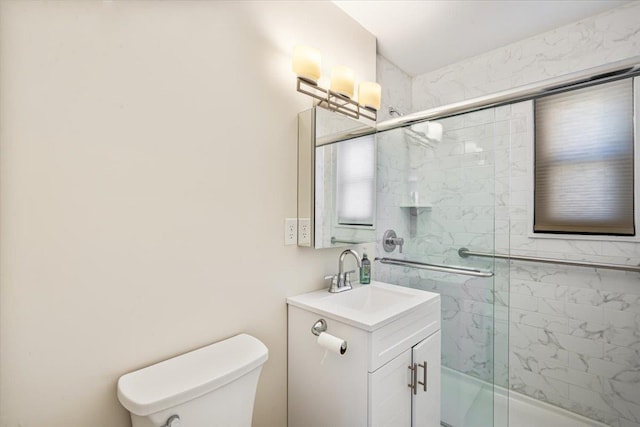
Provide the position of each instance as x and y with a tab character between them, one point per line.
574	338
575	332
604	38
396	88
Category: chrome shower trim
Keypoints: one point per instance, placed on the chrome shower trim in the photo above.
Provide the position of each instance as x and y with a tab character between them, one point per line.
608	72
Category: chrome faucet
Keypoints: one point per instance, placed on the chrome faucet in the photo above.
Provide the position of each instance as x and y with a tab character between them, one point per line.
341	281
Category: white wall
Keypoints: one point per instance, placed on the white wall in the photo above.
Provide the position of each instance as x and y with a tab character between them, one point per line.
147	161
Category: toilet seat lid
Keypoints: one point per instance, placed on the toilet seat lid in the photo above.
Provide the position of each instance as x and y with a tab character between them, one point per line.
190	375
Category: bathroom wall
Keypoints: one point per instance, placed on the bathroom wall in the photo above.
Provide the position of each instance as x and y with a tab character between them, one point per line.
574	331
147	162
396	88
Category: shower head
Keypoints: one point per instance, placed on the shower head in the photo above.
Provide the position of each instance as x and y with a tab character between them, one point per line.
432	131
426	133
394	112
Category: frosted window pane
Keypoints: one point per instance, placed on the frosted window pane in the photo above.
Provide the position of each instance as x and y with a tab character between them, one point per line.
584	161
355	183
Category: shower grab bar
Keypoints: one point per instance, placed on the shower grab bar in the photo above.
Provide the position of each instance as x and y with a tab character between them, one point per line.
464	253
435	267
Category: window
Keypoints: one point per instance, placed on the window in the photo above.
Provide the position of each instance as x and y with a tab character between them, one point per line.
584	161
355	182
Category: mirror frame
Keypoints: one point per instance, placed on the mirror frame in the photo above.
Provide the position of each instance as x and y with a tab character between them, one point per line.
308	142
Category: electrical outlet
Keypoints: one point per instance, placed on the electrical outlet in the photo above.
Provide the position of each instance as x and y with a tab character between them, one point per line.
290	231
304	236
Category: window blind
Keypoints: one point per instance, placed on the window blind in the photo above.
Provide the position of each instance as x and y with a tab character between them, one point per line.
355	181
584	159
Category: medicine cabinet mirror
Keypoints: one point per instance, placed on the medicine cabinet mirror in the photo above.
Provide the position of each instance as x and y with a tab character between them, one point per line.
336	180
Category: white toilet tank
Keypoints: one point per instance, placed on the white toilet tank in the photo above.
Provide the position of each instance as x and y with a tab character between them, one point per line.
212	386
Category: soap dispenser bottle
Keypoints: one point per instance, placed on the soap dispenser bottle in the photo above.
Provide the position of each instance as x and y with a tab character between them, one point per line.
365	270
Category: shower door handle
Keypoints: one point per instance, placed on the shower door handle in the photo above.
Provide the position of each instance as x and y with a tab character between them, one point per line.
423	383
413	378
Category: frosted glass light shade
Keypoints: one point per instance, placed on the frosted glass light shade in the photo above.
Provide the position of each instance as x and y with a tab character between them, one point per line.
306	63
342	80
369	95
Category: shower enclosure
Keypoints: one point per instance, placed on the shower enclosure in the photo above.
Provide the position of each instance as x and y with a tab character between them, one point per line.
441	187
455	183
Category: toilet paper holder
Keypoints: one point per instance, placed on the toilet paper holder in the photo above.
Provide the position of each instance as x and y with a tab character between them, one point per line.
319	327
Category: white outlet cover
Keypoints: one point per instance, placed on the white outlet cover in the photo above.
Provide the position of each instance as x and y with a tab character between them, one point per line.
290	231
304	236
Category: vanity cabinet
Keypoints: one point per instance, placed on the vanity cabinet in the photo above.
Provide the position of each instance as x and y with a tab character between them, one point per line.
397	392
378	381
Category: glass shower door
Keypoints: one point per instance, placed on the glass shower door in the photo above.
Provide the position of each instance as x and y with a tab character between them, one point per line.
441	188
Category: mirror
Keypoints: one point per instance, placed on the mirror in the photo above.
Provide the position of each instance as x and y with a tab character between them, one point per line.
336	180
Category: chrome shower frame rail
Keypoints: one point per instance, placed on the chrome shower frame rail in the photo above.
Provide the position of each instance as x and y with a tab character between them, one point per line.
435	267
464	253
609	72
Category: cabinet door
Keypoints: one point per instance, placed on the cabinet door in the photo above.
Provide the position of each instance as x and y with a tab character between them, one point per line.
425	406
389	393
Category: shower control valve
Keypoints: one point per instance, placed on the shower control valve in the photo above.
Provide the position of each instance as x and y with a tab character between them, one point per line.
390	240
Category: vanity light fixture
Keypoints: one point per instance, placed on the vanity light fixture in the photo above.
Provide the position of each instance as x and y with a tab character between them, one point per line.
306	63
338	98
369	95
342	81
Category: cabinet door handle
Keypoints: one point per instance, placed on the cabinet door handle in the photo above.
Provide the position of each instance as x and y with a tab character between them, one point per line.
423	383
414	378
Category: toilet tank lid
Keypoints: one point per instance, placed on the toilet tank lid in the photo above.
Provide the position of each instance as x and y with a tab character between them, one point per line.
190	375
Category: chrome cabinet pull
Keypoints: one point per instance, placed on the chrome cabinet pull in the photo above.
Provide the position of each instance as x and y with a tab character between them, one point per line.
414	378
423	383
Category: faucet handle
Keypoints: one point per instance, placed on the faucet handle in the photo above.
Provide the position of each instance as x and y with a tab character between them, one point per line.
346	280
334	282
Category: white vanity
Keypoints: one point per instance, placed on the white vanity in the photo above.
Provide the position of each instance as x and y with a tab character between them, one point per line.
390	372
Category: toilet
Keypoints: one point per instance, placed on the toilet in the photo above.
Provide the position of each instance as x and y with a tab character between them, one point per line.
211	386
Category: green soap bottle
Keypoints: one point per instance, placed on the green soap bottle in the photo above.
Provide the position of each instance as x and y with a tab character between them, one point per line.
365	270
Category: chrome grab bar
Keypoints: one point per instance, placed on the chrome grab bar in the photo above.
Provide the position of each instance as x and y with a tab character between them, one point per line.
435	267
464	253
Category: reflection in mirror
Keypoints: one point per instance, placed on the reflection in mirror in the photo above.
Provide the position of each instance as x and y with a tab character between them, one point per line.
336	180
345	192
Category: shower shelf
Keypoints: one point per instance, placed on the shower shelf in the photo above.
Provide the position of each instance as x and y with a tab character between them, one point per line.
414	211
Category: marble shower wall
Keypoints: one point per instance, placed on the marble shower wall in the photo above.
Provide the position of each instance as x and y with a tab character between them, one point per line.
610	36
574	332
396	88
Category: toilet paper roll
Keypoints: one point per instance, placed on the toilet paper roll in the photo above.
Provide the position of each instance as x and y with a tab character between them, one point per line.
331	343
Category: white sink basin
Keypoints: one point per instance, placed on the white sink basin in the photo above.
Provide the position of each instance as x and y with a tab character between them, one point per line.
370	299
368	307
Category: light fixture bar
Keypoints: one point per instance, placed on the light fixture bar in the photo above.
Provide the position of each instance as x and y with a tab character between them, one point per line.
334	101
